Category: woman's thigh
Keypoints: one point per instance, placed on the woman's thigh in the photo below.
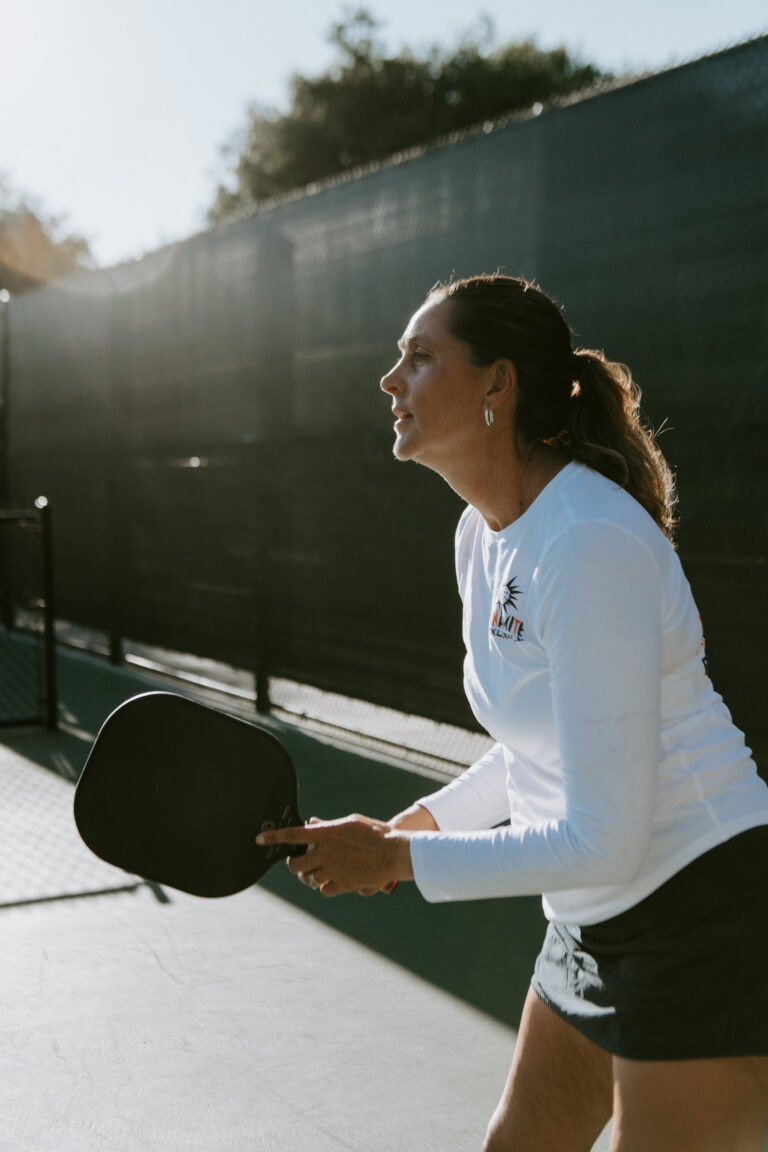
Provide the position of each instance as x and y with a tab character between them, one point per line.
690	1105
558	1095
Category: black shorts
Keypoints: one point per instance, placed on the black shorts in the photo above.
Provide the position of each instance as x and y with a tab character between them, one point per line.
682	975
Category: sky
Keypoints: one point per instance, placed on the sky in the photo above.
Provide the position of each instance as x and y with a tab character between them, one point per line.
113	113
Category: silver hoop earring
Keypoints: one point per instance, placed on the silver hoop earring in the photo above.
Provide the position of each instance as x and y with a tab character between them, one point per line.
489	416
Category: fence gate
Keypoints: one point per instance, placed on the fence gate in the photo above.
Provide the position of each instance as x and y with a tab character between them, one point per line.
27	647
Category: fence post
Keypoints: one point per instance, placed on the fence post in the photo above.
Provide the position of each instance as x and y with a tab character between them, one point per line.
5	388
49	618
116	478
6	607
261	472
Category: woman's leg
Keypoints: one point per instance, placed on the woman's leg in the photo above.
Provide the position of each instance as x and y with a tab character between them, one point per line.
562	1089
558	1096
690	1105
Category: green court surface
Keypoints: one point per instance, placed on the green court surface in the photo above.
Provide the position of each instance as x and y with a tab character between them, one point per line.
274	1019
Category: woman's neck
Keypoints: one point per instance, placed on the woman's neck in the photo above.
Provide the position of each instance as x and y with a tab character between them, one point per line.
506	482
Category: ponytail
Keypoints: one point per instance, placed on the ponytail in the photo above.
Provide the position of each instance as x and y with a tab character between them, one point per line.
606	431
588	406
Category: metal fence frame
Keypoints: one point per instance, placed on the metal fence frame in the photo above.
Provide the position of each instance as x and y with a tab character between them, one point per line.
20	618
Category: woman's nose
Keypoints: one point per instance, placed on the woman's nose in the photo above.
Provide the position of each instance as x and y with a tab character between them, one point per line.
388	383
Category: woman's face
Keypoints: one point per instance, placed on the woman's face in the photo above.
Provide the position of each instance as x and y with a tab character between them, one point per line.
438	394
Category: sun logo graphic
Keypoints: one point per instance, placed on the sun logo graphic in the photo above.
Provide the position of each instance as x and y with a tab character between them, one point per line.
504	623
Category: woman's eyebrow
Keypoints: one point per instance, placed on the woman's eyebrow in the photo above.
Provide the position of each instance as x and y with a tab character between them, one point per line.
411	341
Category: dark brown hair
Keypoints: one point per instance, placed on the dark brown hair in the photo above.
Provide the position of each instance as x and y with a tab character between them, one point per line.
589	406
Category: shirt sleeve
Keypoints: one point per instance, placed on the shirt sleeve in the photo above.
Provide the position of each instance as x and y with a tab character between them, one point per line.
476	799
599	618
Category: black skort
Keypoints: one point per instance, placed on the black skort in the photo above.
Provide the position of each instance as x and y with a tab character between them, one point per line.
683	974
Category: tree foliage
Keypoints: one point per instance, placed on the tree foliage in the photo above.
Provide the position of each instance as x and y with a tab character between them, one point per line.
35	248
371	104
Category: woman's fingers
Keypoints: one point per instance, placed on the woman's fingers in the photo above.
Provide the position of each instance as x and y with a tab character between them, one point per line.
302	834
315	831
353	854
305	866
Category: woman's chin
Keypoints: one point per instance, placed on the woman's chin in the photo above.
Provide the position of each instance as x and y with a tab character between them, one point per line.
403	448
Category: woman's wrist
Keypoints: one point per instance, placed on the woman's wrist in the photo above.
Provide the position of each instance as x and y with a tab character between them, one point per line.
399	864
414	819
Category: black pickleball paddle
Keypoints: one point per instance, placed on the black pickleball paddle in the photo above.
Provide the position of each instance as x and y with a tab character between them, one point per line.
176	792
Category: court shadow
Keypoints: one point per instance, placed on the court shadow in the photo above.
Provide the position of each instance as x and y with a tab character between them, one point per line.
89	690
480	951
61	752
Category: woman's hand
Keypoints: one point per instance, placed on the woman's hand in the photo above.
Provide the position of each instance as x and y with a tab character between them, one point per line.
354	854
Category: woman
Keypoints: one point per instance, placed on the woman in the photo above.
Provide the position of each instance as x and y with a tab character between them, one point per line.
632	802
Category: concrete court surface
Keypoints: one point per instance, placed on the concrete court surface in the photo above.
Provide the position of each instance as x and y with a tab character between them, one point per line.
271	1020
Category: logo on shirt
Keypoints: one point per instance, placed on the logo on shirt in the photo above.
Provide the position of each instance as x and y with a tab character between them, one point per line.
504	623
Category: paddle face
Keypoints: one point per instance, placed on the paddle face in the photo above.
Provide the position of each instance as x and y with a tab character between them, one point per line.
176	792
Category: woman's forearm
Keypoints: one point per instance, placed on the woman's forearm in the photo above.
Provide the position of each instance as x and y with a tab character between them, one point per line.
414	819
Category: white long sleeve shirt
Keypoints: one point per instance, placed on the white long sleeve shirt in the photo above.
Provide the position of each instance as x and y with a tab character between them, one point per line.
616	763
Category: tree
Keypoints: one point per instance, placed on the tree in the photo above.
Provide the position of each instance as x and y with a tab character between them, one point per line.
35	248
370	105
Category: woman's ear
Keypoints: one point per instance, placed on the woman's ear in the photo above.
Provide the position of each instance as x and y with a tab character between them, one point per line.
503	382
